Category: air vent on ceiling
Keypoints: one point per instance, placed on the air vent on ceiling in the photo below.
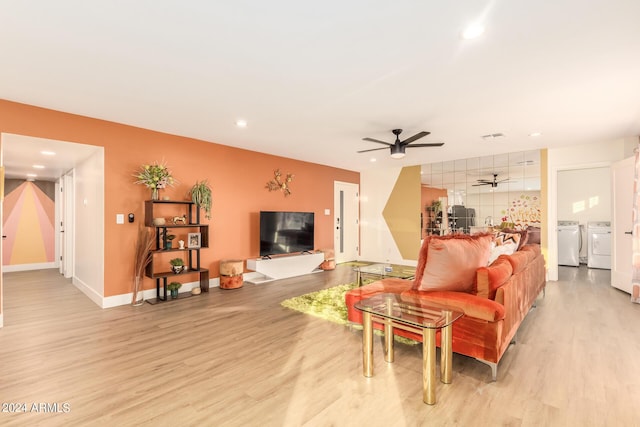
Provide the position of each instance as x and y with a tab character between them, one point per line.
493	136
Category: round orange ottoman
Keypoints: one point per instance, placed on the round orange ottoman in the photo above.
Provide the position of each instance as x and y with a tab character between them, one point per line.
231	273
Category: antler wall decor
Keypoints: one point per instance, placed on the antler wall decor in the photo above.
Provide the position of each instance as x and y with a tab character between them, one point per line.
280	183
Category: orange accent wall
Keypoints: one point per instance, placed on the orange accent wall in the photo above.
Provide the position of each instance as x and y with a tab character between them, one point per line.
238	178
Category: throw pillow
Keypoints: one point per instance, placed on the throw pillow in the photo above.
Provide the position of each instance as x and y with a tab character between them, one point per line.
452	261
503	237
524	235
422	261
505	249
534	234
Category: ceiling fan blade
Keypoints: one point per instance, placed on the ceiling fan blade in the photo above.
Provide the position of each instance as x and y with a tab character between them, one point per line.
481	183
376	140
431	144
415	137
373	149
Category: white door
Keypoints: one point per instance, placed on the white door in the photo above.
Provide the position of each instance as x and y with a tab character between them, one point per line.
66	226
346	211
621	227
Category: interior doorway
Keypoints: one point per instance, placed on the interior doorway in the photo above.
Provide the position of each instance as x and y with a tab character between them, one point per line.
58	163
346	210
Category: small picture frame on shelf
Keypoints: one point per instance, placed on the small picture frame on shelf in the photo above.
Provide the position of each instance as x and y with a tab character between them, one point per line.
194	240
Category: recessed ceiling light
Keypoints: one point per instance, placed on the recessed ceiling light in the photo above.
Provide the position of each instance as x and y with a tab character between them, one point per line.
472	31
534	134
38	167
373	160
32	175
48	153
241	123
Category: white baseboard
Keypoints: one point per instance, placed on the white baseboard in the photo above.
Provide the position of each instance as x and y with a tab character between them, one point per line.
88	291
28	267
125	299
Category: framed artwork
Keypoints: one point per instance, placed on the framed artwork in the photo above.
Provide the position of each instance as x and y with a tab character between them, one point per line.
194	240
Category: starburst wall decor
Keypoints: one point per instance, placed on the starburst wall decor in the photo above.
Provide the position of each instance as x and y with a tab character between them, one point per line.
280	183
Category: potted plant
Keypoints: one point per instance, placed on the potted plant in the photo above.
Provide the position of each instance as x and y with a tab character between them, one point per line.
201	195
168	239
173	287
177	265
155	176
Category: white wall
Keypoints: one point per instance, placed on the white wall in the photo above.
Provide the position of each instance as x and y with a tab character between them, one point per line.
89	227
576	157
377	243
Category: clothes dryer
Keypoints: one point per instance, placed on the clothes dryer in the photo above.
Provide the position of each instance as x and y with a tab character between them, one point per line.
599	245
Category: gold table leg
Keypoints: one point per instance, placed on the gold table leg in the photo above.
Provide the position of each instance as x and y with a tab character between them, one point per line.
367	345
429	366
446	350
388	333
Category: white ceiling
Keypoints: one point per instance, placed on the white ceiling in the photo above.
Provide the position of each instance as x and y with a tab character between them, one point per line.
313	79
22	155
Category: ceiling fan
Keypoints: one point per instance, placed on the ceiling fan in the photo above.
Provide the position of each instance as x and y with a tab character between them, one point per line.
493	183
398	148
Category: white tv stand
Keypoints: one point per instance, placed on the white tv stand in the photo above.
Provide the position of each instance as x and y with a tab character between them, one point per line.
281	267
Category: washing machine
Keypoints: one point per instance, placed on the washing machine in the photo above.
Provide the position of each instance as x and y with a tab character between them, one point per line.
599	245
569	243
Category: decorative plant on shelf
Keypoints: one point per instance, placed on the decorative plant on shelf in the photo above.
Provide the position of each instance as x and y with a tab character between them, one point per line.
155	176
201	195
437	206
168	239
173	287
177	265
142	258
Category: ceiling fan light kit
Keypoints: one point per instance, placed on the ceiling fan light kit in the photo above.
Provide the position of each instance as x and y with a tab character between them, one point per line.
398	148
397	152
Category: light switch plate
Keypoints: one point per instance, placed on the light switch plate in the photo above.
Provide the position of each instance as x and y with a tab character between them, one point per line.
119	218
327	211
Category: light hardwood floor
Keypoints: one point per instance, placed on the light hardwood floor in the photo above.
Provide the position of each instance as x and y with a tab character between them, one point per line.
237	358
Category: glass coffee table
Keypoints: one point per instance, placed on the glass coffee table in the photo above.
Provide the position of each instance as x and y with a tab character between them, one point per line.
414	315
381	271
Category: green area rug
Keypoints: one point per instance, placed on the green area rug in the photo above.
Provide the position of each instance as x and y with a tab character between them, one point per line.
328	304
355	263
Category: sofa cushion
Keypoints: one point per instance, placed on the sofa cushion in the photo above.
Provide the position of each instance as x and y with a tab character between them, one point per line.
524	235
470	305
519	260
451	261
391	285
489	279
534	248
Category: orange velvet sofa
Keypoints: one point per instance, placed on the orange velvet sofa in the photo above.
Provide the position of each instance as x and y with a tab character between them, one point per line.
496	304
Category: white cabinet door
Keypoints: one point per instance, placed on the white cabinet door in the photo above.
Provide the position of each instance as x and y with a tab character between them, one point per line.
621	251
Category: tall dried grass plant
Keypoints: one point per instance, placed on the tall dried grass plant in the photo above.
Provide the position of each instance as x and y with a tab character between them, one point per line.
143	255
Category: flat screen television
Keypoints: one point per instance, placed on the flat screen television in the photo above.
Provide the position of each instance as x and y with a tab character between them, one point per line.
285	232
